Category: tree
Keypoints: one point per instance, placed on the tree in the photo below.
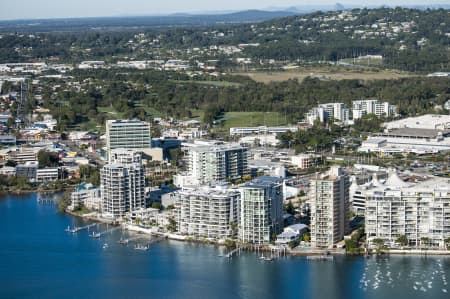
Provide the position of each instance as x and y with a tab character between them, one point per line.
234	228
47	159
447	243
379	243
176	154
306	237
90	174
352	247
402	240
63	202
230	244
172	227
156	205
290	208
425	241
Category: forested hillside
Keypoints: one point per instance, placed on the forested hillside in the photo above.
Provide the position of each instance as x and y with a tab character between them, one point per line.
407	39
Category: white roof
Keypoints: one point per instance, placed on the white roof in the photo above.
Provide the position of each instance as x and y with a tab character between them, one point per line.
394	181
428	121
298	226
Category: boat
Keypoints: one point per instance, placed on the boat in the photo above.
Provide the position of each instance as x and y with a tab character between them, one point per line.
72	230
123	241
141	247
95	235
266	258
105	245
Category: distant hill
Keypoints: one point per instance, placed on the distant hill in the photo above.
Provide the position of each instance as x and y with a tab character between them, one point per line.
174	20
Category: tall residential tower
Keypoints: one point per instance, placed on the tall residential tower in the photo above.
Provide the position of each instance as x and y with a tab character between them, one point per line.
329	197
122	183
261	210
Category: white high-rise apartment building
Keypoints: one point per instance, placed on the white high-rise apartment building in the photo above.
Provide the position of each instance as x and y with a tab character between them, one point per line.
213	162
364	107
122	183
420	211
261	210
329	199
322	112
208	212
129	134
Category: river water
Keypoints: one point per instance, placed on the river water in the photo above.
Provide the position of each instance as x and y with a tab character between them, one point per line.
38	259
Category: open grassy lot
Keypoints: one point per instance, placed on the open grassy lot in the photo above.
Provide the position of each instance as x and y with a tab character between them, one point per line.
149	110
211	83
250	119
197	114
325	73
109	110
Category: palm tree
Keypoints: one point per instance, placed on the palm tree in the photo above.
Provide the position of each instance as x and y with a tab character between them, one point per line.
379	243
447	243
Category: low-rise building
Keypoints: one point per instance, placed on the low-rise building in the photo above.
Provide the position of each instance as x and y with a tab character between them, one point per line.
262	130
8	171
7	139
304	161
48	174
291	233
24	155
408	140
27	170
85	195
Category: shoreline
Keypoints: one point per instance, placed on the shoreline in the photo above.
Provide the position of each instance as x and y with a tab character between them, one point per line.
267	248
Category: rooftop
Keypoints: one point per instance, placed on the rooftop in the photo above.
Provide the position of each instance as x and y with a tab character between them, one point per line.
263	182
415	132
428	121
413	183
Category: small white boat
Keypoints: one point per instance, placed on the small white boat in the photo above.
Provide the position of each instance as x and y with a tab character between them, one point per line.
95	235
105	245
141	247
266	258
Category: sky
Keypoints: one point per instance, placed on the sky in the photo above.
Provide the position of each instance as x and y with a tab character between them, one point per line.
35	9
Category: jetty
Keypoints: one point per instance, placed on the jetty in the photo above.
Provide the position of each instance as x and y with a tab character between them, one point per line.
76	229
44	199
154	239
108	231
236	251
323	258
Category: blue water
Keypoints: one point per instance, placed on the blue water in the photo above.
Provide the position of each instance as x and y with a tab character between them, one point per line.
38	259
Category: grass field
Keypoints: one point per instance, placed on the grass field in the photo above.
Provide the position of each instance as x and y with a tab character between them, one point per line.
211	83
149	110
197	114
325	73
250	119
109	110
